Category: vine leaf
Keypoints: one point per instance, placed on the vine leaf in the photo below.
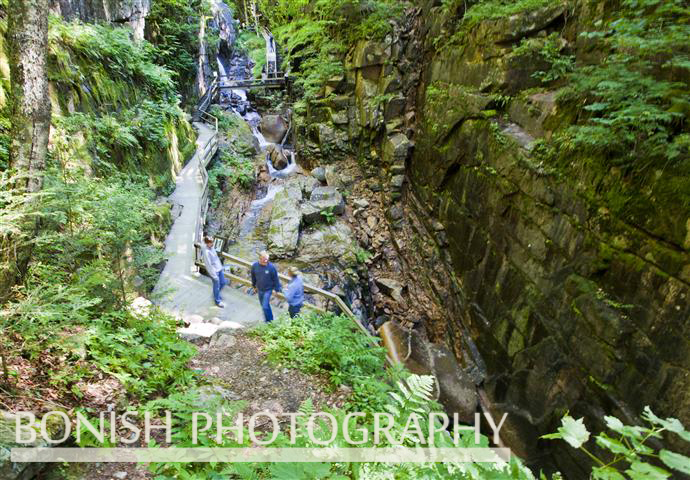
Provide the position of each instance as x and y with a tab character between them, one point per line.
572	431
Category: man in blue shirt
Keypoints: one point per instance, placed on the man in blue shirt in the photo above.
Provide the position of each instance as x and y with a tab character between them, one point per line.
295	292
214	269
265	280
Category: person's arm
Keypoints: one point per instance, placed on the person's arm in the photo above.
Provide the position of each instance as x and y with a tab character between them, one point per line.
291	291
209	265
253	276
276	280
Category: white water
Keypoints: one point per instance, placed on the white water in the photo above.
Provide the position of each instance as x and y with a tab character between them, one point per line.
260	137
221	69
291	167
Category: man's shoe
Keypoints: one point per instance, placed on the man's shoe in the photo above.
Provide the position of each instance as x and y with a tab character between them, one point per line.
221	305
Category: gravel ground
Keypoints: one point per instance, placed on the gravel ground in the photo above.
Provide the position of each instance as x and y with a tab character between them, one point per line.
237	364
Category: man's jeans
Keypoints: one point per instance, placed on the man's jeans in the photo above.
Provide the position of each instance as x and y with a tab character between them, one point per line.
218	284
293	310
265	300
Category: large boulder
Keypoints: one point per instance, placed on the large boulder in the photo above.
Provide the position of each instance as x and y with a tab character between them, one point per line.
326	194
328	243
273	128
319	173
278	156
322	199
305	183
335	177
283	232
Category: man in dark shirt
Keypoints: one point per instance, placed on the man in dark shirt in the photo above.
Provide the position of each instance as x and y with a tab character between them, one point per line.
265	280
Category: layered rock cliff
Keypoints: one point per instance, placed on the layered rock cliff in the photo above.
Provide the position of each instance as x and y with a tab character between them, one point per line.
130	12
550	296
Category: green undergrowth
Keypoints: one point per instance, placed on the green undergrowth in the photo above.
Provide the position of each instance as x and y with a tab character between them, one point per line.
234	166
632	111
98	243
331	345
117	138
463	15
172	26
254	46
315	35
621	119
115	109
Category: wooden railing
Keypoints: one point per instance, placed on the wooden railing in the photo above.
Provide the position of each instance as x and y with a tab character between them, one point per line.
204	157
329	296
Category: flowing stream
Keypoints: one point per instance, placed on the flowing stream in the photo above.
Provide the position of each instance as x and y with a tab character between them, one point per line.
234	65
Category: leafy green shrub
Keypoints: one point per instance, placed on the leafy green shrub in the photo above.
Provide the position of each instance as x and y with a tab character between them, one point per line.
632	110
80	53
629	447
493	9
172	27
143	352
546	50
409	398
227	122
328	215
126	104
317	34
331	345
230	170
362	255
72	304
255	47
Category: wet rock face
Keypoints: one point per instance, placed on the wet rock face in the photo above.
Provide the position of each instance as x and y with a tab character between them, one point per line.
457	391
131	12
225	24
278	156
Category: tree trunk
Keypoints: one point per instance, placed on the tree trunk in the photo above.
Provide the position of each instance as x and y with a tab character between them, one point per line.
30	102
30	117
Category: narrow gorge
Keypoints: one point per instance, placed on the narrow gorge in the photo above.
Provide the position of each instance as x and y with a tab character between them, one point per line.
496	193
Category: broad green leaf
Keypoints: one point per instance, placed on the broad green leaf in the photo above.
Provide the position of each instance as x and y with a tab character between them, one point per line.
613	445
670	424
572	431
644	471
606	473
675	460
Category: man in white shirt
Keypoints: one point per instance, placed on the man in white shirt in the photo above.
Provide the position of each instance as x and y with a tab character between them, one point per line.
214	269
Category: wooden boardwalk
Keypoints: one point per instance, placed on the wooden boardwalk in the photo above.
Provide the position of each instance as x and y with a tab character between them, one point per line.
181	290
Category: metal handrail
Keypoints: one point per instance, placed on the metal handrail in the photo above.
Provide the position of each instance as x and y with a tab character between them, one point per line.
307	288
208	151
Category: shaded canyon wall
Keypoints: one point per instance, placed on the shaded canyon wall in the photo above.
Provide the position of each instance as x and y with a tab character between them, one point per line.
549	300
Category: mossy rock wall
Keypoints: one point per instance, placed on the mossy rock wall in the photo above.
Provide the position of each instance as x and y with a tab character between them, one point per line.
85	89
526	271
571	306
